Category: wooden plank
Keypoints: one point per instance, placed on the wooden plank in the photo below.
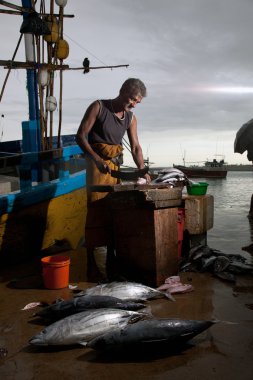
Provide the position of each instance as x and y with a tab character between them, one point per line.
134	186
50	66
34	157
45	191
154	199
9	64
167	203
161	194
16	7
19	13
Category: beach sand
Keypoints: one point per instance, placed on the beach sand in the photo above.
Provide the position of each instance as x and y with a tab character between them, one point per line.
224	351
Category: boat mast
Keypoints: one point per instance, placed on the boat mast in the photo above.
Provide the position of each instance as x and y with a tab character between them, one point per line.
40	29
31	128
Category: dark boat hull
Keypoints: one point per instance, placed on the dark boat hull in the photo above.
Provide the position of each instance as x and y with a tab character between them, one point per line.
198	172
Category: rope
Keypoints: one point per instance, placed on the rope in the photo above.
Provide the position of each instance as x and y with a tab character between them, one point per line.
9	70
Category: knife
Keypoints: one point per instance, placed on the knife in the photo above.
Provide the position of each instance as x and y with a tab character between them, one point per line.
129	175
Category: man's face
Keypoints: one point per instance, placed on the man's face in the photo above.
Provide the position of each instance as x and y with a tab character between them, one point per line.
130	100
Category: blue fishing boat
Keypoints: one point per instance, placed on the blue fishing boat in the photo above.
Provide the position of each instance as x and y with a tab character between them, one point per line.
42	177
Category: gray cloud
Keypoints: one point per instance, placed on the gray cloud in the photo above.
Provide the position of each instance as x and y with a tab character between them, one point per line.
178	48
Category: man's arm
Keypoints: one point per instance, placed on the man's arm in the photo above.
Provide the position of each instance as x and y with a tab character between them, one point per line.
83	132
136	149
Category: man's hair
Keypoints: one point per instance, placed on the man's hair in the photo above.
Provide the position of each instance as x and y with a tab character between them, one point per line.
132	86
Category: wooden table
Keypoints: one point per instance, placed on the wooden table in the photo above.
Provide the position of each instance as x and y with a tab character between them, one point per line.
145	228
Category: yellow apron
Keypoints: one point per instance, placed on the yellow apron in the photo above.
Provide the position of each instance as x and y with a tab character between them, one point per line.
98	227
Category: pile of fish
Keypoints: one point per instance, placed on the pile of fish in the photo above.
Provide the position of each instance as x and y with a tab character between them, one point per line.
97	319
171	176
225	266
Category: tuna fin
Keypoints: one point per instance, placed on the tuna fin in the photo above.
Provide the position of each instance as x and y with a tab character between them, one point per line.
169	296
83	343
221	321
186	334
139	317
147	311
154	340
58	300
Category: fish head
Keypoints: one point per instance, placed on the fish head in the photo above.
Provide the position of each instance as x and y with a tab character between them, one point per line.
51	335
39	339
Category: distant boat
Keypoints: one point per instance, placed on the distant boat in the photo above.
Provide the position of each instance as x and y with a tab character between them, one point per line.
210	169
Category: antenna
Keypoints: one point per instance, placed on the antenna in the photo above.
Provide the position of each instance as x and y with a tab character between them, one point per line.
183	154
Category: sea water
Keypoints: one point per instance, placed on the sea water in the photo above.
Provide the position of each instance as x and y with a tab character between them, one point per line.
232	229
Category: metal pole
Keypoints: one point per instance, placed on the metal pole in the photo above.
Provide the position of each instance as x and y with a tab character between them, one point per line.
31	135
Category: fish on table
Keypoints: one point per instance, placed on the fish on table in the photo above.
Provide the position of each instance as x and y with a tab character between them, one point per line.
62	309
150	334
80	328
171	176
130	291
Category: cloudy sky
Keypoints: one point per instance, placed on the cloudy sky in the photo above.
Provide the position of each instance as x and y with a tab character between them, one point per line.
195	57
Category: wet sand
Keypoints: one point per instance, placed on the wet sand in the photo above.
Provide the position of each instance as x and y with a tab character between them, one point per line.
225	351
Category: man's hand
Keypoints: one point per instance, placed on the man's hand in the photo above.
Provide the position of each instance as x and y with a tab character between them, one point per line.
102	166
147	178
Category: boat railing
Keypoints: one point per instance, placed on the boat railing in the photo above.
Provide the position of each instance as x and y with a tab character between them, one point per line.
39	176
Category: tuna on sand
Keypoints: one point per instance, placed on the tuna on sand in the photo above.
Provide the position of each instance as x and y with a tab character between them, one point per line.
80	328
62	309
149	334
130	291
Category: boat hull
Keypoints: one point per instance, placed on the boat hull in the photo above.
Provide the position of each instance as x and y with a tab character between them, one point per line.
196	172
57	223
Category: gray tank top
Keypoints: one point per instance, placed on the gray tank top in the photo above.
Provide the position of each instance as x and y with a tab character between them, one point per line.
108	128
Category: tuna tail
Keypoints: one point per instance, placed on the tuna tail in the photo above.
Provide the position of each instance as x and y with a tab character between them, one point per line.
83	343
197	328
169	296
147	312
221	321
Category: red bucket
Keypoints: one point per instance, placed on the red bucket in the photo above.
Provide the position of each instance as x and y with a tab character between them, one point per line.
55	271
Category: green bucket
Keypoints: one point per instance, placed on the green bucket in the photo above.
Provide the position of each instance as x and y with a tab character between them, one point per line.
199	188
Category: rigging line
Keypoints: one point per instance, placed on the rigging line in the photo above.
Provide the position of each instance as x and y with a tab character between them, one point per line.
13	6
126	142
126	145
2	125
9	70
88	51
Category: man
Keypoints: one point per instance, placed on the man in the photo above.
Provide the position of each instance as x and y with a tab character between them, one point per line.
100	136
